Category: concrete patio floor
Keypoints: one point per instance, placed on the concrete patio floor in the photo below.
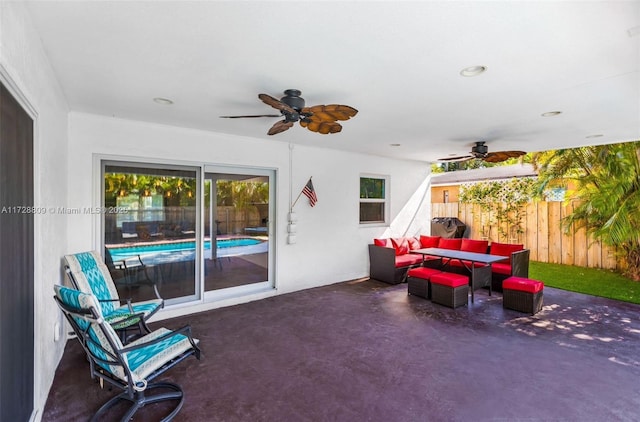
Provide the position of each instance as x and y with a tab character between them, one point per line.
366	351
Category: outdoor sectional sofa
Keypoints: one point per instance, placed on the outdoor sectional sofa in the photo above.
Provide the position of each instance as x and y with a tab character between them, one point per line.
390	259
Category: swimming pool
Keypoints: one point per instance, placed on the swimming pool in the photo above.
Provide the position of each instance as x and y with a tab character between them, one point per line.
179	248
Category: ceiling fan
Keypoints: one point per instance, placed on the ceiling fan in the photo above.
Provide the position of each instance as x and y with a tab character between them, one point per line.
480	151
321	118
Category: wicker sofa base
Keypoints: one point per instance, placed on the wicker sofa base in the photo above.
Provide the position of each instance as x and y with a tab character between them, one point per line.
419	287
449	296
522	301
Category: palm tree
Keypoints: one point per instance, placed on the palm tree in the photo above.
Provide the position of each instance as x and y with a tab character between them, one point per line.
606	180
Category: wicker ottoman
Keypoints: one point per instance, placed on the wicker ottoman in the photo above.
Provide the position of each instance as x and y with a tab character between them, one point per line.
522	294
450	289
418	281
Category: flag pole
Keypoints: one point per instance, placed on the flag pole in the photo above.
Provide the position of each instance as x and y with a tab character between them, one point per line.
299	195
296	201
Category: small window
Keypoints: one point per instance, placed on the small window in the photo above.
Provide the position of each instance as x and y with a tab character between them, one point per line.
445	196
373	199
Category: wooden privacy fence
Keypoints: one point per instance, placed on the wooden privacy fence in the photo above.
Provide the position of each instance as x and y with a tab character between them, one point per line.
542	233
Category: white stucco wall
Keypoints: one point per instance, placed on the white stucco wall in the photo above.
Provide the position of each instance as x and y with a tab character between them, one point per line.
331	245
24	67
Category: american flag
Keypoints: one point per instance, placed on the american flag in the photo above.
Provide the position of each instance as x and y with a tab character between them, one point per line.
310	193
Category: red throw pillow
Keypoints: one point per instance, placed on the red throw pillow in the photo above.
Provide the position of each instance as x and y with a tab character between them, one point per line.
450	244
429	241
413	243
385	243
401	244
478	246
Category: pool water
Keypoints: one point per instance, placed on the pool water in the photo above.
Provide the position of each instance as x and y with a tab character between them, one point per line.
119	254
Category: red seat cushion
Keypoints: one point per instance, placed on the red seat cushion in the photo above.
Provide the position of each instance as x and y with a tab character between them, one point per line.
385	243
429	241
407	259
500	268
422	272
478	246
450	279
450	244
505	249
401	244
522	284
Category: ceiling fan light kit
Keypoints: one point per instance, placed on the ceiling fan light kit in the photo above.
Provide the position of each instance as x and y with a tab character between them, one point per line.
321	119
479	149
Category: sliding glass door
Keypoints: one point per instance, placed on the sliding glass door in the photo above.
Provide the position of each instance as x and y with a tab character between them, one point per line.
237	208
150	230
189	236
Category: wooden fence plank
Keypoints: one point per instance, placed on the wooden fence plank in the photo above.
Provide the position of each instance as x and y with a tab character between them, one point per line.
465	214
543	232
609	258
468	217
580	244
555	233
594	251
531	230
567	236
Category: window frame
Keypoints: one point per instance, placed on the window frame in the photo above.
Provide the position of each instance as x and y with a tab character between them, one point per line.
385	200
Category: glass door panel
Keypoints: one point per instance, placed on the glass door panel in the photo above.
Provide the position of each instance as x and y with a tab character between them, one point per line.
150	230
237	209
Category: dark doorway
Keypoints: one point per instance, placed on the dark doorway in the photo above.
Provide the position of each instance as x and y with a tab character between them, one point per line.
16	260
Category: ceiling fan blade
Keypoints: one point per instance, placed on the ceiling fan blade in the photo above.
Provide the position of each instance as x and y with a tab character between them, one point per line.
253	115
279	127
329	113
497	157
458	158
323	128
275	103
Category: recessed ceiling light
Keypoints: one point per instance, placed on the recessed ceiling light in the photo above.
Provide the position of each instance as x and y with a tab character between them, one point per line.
473	70
395	145
163	101
597	135
551	113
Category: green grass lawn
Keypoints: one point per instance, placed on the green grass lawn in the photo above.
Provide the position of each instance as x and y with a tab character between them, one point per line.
591	281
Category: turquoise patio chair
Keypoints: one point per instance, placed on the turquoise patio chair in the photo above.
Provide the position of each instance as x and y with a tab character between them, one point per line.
89	274
131	367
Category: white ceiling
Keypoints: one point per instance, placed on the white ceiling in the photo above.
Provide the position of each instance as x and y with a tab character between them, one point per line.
398	63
